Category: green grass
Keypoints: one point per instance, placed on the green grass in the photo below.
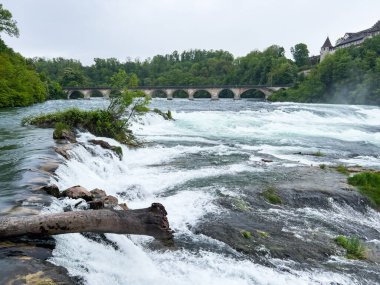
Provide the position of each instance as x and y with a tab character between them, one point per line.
342	169
271	196
318	154
355	249
246	234
368	184
322	166
262	234
59	128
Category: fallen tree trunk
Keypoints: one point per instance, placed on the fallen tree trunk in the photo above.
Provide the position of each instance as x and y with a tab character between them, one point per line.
150	221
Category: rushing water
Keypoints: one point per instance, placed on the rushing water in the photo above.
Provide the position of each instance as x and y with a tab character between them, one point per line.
206	168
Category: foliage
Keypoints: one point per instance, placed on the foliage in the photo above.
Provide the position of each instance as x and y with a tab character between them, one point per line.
246	234
20	85
112	122
262	234
318	154
271	196
7	24
59	128
342	169
300	54
193	67
368	184
355	249
322	166
350	75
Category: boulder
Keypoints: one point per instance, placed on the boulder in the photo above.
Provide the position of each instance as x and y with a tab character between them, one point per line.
51	189
77	192
65	135
110	201
103	144
63	150
98	193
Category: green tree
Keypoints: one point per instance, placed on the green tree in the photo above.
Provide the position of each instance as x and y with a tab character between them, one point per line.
7	24
119	80
300	54
133	81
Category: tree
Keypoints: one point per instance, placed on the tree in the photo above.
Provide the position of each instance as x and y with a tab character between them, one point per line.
8	25
300	54
119	80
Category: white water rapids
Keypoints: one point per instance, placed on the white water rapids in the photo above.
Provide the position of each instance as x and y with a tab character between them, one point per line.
173	169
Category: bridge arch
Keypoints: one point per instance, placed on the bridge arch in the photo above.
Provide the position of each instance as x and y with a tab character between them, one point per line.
159	93
180	93
96	93
253	93
226	94
202	94
75	94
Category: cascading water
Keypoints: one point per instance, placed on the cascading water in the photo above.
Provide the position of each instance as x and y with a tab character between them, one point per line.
207	168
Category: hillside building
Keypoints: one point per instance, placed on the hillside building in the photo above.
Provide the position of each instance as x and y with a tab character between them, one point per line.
349	39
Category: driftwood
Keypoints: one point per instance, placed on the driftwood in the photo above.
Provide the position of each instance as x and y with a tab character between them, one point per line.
150	221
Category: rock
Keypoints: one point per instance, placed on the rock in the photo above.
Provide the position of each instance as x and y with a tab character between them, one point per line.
110	201
103	144
96	205
77	192
266	160
98	193
65	135
50	166
124	206
63	150
51	189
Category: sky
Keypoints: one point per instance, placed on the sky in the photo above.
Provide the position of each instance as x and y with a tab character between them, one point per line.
88	29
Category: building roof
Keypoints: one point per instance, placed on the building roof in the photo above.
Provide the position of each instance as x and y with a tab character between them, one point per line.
353	37
327	43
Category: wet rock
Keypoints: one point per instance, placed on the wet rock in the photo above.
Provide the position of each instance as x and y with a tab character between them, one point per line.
65	135
110	201
103	144
51	189
77	192
96	205
124	206
50	166
98	193
266	160
24	261
63	150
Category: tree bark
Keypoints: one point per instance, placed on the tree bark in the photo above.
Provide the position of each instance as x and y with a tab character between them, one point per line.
150	221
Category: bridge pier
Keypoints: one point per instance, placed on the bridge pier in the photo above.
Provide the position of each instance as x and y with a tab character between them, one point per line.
105	92
169	94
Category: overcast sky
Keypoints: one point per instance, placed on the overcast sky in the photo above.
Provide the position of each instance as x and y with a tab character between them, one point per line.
85	29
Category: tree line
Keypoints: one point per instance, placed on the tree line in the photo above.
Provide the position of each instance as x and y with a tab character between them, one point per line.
192	67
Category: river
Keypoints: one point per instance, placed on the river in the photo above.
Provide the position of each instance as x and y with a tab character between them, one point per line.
209	168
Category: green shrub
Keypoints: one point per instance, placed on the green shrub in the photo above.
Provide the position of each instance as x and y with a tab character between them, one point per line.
318	154
59	128
355	249
246	234
271	196
342	169
322	166
368	184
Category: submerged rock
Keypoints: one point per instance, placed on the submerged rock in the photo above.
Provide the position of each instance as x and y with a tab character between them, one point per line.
63	150
103	144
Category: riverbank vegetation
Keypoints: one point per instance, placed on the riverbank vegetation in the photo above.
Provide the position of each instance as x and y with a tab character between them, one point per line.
353	246
112	122
368	184
349	76
20	85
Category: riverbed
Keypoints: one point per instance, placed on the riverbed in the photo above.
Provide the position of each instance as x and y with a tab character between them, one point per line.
209	167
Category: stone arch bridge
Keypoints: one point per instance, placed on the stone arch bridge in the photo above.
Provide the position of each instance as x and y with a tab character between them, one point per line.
214	91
